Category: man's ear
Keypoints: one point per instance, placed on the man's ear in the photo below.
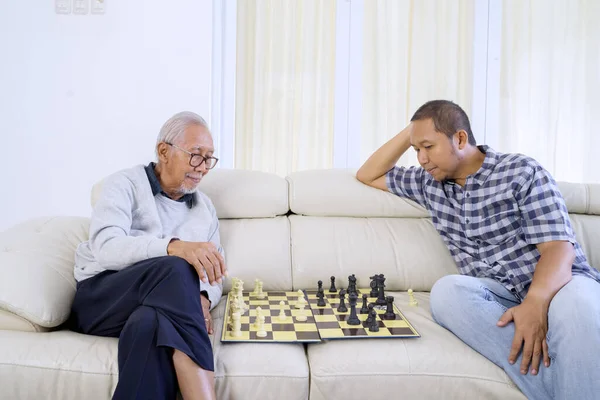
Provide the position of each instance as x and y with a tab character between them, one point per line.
163	151
462	139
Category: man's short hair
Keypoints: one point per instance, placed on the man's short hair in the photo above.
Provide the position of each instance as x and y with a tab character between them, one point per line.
175	126
447	117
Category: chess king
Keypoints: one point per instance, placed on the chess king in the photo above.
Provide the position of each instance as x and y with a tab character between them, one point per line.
526	298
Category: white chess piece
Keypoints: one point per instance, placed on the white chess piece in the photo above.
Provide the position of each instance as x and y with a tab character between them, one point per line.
260	294
301	302
412	301
256	284
282	316
260	331
237	325
257	317
301	314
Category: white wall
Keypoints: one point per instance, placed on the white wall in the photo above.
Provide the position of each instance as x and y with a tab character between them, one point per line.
83	96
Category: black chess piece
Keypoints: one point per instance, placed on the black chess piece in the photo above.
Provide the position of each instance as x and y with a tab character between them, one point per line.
321	301
389	312
320	286
332	289
381	294
373	284
353	319
342	307
352	284
369	316
364	309
374	324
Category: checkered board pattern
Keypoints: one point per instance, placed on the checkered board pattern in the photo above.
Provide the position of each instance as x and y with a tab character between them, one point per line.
332	324
278	331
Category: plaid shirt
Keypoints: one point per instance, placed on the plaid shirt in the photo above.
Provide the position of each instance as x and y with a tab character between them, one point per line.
492	224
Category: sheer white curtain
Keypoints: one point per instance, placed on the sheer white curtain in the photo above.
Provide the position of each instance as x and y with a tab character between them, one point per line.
550	85
414	51
285	85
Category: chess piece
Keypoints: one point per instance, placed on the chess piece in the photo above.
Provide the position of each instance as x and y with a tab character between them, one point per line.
256	284
236	323
389	312
373	284
256	317
301	314
260	294
381	294
412	301
342	307
321	301
332	288
319	286
353	319
352	284
374	324
301	302
282	316
369	315
260	329
364	309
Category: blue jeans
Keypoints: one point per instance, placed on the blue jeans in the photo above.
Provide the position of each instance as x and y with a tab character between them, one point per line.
470	307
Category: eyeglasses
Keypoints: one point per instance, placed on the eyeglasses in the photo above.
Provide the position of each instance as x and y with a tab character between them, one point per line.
196	160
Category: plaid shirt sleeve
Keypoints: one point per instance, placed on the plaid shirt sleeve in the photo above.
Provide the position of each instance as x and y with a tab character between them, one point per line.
407	182
544	214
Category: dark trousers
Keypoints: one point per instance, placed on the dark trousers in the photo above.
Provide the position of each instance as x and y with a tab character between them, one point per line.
153	307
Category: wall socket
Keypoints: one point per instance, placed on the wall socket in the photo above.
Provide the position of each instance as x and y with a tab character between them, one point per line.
80	7
98	6
62	6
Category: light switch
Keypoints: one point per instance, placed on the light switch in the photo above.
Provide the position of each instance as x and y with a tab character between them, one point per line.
98	6
80	7
62	6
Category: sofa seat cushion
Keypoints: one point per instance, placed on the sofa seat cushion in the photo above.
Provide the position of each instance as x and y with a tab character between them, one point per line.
267	371
436	365
57	365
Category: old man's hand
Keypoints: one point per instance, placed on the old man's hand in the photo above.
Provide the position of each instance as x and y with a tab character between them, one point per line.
204	256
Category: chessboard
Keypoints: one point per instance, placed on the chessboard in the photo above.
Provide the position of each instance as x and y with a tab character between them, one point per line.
332	324
283	320
289	330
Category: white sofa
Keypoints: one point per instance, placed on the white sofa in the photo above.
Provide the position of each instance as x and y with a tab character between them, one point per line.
290	233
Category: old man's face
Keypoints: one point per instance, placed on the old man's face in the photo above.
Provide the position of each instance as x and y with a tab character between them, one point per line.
182	176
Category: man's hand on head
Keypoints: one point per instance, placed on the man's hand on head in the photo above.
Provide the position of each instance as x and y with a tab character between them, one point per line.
531	326
204	256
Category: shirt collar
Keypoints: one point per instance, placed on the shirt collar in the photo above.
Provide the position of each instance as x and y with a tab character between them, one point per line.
188	198
489	163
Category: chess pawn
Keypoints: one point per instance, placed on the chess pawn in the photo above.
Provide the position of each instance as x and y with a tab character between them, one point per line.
301	302
282	316
260	330
257	317
236	330
260	294
412	301
301	315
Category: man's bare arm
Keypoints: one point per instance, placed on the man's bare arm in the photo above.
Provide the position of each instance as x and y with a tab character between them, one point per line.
373	171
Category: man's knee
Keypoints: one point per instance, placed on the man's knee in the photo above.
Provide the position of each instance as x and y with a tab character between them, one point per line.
177	266
445	293
143	320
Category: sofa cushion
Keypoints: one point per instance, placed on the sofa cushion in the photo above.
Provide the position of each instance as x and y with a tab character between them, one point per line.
408	251
435	366
267	371
36	268
238	193
12	322
57	365
336	192
258	248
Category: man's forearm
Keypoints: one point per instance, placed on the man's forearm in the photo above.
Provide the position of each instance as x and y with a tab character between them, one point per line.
385	157
552	272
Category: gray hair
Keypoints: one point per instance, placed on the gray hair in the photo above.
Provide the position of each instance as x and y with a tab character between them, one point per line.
176	126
